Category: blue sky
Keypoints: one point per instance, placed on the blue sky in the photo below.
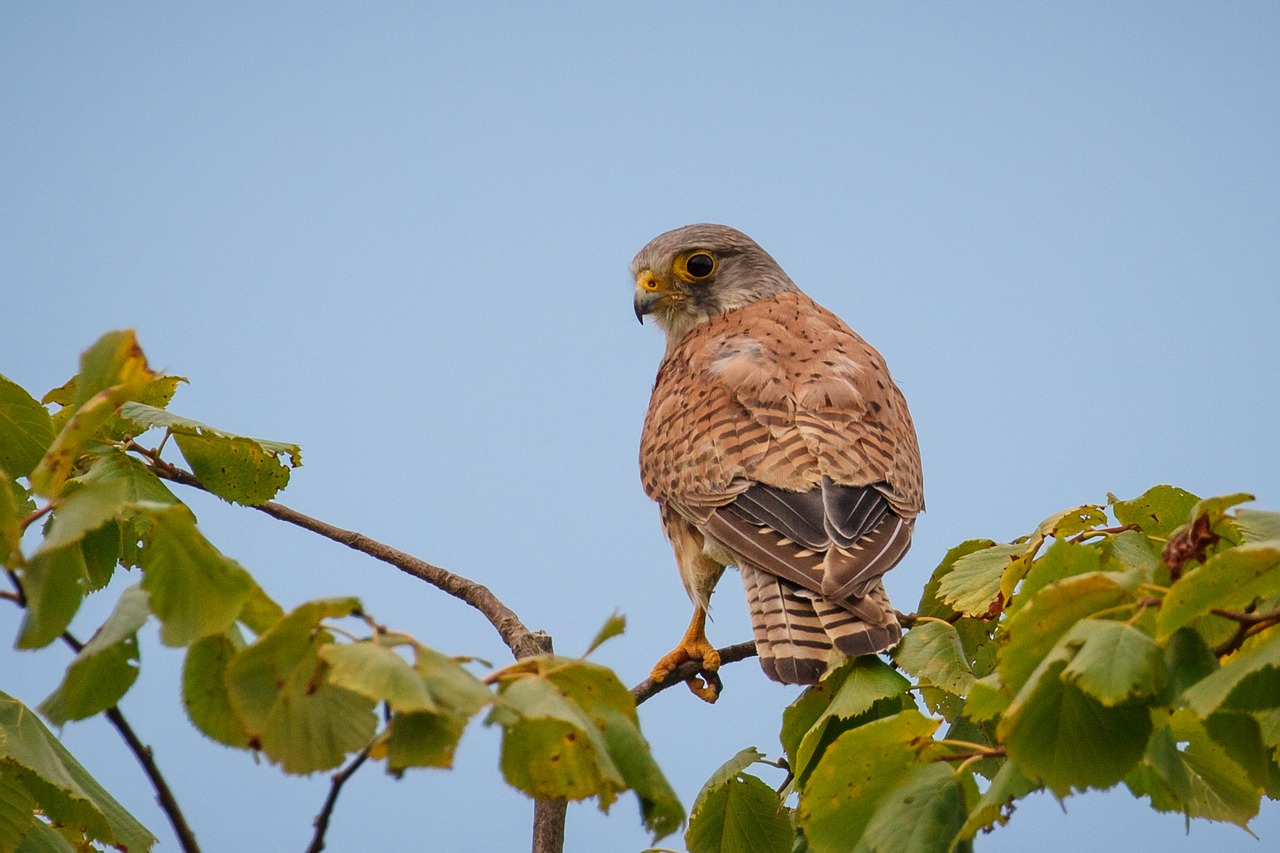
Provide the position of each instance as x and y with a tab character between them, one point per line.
399	235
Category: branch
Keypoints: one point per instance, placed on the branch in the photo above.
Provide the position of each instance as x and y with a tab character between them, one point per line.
729	654
340	778
522	642
164	795
548	814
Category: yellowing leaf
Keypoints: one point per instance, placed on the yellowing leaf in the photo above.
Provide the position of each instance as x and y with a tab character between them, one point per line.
292	713
840	796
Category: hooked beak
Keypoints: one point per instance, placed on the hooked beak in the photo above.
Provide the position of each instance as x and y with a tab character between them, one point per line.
646	301
648	294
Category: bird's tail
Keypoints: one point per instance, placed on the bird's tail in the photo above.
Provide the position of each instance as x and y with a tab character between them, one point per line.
795	629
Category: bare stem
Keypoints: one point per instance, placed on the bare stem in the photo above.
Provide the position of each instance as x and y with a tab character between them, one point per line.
339	779
142	752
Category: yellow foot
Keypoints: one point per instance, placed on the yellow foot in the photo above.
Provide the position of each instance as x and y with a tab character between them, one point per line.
706	684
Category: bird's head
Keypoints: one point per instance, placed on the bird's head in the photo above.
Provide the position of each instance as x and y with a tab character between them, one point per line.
691	274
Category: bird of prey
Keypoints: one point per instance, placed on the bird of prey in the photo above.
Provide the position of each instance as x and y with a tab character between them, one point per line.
775	442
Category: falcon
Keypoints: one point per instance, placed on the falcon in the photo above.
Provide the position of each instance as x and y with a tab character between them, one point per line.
775	442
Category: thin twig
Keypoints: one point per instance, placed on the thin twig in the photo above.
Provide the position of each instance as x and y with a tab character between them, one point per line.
164	795
142	752
339	779
729	654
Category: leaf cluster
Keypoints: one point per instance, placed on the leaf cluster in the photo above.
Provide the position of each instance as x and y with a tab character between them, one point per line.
302	688
1134	644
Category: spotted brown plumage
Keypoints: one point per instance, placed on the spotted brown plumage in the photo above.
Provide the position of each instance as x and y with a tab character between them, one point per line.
775	442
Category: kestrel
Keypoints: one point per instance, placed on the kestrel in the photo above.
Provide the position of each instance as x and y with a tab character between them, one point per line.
775	442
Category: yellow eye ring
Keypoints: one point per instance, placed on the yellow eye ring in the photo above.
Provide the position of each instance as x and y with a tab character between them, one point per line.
697	265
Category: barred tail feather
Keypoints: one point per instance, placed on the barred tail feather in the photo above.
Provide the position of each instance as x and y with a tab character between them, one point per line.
866	626
790	638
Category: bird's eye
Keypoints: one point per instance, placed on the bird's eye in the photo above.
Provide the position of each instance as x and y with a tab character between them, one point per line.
697	266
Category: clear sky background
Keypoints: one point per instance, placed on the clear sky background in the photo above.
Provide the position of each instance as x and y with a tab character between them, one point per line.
399	236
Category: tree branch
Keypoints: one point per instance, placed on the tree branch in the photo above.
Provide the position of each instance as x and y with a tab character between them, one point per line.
164	795
729	654
142	752
522	642
548	814
340	778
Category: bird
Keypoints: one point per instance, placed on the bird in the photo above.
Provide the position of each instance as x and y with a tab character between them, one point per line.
775	442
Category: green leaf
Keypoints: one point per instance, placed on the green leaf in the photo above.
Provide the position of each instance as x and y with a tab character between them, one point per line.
843	791
17	807
1035	628
53	582
987	699
376	671
204	688
423	739
973	584
924	813
1115	662
1199	779
660	808
1256	524
105	669
1061	561
448	684
11	517
931	603
43	838
1187	660
1215	508
26	431
234	467
932	652
61	787
111	489
612	627
550	747
1060	735
1158	511
736	812
195	591
1229	580
846	694
1249	681
295	716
